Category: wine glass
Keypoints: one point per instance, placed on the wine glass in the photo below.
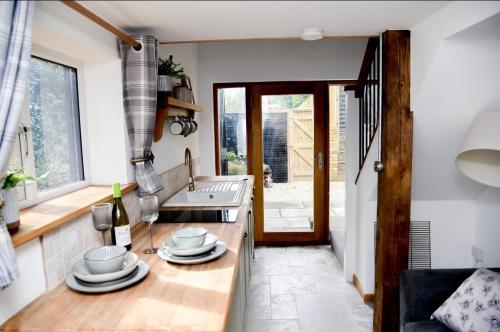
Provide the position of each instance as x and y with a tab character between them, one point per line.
101	216
149	214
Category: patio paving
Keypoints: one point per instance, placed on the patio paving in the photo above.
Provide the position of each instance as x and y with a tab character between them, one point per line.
288	207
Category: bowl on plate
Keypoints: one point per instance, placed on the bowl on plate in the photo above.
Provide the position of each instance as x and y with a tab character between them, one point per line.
209	244
105	259
189	237
82	272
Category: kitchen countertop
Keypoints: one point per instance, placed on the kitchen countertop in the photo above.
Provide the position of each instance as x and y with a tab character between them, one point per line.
171	298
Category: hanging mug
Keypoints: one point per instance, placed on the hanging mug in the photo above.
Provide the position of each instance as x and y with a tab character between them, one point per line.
187	127
194	126
176	127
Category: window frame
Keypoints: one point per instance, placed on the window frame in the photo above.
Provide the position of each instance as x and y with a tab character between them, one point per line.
248	106
33	195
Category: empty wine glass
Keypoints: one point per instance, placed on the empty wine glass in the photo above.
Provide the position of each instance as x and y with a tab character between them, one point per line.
101	216
149	214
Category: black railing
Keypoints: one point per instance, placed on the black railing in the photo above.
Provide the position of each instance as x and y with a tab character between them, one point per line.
367	90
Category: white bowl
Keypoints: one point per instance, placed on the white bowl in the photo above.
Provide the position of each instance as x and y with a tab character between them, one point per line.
81	271
209	244
105	259
189	237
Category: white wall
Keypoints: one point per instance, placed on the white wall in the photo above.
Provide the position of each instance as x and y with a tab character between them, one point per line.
351	171
455	72
29	285
169	150
487	227
260	61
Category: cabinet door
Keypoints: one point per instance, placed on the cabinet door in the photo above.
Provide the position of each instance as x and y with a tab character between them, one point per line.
236	319
243	283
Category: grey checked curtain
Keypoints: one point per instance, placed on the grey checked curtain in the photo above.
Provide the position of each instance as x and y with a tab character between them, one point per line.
15	53
139	72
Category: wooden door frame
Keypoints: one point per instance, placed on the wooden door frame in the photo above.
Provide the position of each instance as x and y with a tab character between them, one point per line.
276	238
320	179
247	85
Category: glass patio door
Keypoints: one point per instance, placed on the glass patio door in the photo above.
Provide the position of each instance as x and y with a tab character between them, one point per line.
289	133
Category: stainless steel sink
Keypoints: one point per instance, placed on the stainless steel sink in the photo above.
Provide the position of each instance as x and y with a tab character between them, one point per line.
209	193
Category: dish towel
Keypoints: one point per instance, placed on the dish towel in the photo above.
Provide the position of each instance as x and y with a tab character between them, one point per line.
15	53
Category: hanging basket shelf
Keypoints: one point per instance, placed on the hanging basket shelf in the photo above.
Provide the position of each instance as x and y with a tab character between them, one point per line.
169	106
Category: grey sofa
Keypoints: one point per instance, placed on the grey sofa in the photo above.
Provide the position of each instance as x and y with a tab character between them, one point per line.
421	292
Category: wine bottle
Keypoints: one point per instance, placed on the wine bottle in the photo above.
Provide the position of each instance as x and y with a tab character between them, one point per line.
121	226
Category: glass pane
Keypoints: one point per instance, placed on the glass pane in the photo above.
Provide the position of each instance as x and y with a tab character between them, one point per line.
232	131
288	154
53	103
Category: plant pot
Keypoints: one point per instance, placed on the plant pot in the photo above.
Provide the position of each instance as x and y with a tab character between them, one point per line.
165	83
10	209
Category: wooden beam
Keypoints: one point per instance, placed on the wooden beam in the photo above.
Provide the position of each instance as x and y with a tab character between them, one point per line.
365	65
394	182
96	19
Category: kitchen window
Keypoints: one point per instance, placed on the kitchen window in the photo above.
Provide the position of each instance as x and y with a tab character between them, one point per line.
49	143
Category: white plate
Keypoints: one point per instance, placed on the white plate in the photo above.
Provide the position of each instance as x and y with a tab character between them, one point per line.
139	273
210	241
216	252
81	271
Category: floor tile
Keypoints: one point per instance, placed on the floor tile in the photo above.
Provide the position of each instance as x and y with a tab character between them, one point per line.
260	280
282	299
254	312
303	289
273	325
284	312
283	205
260	296
285	213
271	213
320	312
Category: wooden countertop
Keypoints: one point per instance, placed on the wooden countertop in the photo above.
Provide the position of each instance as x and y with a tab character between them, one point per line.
44	217
171	298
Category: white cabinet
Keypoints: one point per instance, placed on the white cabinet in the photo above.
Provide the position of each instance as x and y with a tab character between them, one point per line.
241	292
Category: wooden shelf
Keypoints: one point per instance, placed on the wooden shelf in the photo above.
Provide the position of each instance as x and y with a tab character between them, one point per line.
169	106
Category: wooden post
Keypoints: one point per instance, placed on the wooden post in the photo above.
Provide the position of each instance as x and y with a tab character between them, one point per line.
394	182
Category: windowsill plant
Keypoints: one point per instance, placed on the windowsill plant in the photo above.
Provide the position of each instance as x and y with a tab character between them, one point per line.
8	198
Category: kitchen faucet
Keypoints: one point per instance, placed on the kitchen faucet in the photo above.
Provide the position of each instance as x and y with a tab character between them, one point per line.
188	160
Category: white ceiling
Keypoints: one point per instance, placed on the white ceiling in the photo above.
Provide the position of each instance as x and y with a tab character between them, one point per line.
209	20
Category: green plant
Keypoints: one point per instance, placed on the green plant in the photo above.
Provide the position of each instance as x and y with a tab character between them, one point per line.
232	156
15	177
169	68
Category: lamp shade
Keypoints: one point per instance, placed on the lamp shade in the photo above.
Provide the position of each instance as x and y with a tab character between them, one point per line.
479	158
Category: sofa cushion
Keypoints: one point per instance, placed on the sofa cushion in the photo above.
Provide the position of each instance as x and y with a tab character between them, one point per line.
475	305
425	326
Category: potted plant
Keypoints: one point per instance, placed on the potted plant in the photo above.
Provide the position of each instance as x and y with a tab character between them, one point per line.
9	204
167	71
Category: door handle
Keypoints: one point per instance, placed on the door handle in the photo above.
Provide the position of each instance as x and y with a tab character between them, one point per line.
320	160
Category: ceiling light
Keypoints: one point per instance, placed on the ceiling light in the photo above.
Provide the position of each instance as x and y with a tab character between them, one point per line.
311	34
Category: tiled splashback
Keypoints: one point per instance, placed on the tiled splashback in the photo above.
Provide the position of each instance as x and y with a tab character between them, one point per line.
65	245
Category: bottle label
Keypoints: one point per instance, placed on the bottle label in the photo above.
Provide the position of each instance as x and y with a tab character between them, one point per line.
122	235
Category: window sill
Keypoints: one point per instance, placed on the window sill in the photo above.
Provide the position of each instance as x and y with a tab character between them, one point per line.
42	218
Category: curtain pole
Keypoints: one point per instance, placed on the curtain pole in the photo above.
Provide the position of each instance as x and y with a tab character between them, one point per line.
93	17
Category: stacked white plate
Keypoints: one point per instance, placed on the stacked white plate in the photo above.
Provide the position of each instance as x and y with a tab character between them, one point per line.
81	279
211	249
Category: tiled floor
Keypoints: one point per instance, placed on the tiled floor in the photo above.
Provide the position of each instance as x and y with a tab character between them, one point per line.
302	289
